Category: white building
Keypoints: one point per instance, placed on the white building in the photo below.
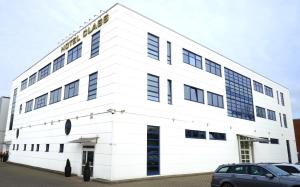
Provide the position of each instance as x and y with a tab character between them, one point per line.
4	103
139	100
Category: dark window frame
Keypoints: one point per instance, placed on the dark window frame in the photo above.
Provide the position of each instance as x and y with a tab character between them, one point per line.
74	53
44	72
195	134
95	44
55	96
213	102
193	94
153	88
71	90
153	46
58	63
213	67
192	58
217	136
92	88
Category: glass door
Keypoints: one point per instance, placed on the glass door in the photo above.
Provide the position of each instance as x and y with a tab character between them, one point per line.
245	145
88	156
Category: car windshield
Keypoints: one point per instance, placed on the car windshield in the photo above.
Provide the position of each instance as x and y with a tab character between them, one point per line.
275	170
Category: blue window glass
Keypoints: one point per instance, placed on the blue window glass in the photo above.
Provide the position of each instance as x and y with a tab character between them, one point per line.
195	134
153	87
153	46
258	86
41	101
12	112
170	92
74	53
28	106
239	95
24	84
193	94
284	120
169	58
213	67
153	150
32	79
282	99
92	90
58	63
44	72
217	136
95	44
215	100
192	58
71	89
55	96
268	91
260	112
271	115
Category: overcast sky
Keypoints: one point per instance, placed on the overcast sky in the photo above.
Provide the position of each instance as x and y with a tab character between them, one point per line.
262	35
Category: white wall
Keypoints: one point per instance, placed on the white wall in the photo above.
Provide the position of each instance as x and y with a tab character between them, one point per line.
4	103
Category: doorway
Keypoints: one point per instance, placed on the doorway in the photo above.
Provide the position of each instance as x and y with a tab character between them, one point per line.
88	156
245	149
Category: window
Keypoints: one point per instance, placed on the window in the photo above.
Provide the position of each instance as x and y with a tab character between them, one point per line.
32	147
95	44
12	112
215	100
271	115
192	59
14	147
263	140
289	169
169	58
32	79
282	99
239	169
41	101
284	120
239	95
59	63
268	91
195	134
47	148
74	53
17	147
55	96
37	147
28	106
260	112
170	92
213	67
274	141
20	110
153	46
44	72
193	94
24	84
258	86
280	119
153	150
217	136
61	148
277	97
152	87
92	91
24	147
224	169
256	170
71	89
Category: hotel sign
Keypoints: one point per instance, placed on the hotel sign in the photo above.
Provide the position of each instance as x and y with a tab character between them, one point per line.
87	31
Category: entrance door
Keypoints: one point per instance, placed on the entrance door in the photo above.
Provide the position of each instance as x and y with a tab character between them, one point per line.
245	148
88	156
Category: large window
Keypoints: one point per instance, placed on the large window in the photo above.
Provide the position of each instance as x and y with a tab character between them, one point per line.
239	95
92	91
28	106
58	63
153	46
32	79
258	87
24	84
213	67
169	53
260	112
284	120
271	115
12	112
192	58
95	44
41	101
282	99
74	53
44	72
153	87
217	136
55	96
215	100
153	150
268	91
195	134
71	89
193	94
170	99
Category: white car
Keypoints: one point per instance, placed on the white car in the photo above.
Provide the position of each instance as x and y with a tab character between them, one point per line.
293	169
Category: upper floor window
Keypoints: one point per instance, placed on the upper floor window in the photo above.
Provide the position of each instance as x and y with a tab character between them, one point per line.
32	147
44	72
37	147
217	136
152	87
58	63
24	84
170	92
95	44
213	67
284	120
169	58
192	58
28	106
260	112
92	90
280	119
74	53
153	46
271	115
47	148
55	96
258	87
282	99
193	94
215	100
268	91
195	134
41	101
32	79
71	89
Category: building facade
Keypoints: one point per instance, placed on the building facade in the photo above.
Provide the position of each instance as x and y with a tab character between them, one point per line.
297	136
128	94
4	103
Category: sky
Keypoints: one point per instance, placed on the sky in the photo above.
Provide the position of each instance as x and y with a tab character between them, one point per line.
261	35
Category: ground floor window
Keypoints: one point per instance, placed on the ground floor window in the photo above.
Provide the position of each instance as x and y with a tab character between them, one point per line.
153	150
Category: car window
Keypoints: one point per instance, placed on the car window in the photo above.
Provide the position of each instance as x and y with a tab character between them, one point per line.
223	169
257	170
289	169
239	169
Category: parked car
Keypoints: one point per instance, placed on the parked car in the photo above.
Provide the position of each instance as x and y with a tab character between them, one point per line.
253	175
290	168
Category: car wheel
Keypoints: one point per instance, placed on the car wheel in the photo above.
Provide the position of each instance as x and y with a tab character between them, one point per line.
227	185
